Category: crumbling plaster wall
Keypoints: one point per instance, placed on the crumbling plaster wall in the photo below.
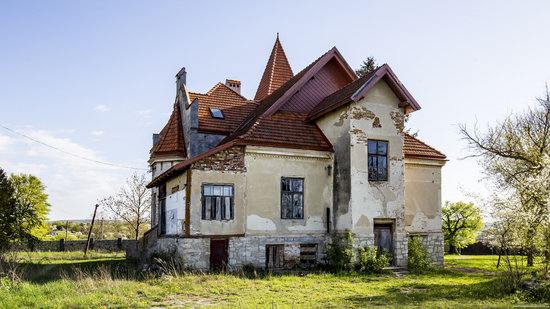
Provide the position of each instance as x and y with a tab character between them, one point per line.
265	166
336	127
377	116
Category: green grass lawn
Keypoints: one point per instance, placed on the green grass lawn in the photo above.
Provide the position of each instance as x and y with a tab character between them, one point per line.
73	283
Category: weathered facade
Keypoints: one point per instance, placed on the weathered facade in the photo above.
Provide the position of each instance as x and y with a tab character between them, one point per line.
268	181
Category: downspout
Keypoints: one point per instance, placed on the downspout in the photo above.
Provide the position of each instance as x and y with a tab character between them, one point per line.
187	229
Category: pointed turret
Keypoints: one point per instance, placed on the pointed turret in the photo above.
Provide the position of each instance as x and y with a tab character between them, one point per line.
276	73
170	141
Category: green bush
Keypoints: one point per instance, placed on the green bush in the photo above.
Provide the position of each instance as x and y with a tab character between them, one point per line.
370	262
540	292
418	257
340	252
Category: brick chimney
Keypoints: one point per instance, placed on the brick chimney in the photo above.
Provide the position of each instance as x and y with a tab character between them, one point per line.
235	85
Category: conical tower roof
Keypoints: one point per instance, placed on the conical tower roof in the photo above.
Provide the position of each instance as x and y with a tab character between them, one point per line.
276	73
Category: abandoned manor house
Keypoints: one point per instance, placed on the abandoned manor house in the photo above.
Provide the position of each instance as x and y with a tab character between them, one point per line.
268	181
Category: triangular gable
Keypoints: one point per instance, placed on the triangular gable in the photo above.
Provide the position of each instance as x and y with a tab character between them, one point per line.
333	53
271	104
357	90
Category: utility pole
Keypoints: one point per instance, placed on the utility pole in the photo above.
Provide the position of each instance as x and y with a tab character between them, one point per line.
66	229
90	231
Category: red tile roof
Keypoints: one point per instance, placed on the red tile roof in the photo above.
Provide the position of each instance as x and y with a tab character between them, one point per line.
285	129
171	139
276	73
415	148
233	106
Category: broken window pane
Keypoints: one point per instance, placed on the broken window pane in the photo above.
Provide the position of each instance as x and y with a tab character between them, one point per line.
292	198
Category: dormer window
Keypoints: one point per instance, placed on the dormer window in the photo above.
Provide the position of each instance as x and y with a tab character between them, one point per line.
216	113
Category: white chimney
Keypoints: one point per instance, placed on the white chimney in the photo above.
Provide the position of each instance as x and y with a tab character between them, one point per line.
234	85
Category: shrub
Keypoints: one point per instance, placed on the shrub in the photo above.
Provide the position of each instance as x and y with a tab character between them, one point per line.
370	262
340	252
418	257
540	292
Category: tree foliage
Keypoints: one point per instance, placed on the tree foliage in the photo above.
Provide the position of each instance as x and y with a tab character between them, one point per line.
29	190
18	217
461	224
367	66
131	204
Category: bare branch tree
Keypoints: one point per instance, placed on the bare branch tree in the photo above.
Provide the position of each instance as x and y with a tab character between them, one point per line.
132	203
515	153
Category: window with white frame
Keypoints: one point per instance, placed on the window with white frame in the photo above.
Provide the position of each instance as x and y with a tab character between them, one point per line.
217	202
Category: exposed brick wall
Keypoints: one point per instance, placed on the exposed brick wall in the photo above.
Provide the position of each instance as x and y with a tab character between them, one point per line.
231	159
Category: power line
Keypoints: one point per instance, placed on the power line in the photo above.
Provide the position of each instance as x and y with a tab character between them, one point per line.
71	154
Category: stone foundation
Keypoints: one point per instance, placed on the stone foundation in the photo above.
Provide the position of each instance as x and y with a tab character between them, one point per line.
251	250
435	245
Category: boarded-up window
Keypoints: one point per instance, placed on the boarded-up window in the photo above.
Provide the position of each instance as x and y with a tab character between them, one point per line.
274	256
292	198
308	255
217	202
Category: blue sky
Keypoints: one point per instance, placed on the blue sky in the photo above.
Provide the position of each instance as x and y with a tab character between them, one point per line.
96	78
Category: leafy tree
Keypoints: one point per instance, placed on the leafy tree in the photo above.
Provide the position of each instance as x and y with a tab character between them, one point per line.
461	224
132	204
367	66
29	190
17	219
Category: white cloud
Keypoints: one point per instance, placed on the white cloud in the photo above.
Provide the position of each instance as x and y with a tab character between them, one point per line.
145	113
97	133
73	184
102	108
5	142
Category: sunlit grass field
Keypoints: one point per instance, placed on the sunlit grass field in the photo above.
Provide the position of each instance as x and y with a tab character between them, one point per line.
70	280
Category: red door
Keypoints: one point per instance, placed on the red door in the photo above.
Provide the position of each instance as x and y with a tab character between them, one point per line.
219	254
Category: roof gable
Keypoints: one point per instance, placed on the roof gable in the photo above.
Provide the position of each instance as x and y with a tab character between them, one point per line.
357	90
233	106
277	72
270	108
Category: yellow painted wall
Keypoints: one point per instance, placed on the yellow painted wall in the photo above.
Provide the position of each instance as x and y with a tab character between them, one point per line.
265	167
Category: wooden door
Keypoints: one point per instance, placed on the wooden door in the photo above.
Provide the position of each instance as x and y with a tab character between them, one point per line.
383	238
219	254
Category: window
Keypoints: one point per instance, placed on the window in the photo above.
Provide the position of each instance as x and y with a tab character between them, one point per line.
217	202
162	204
292	198
216	113
274	256
378	160
308	255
